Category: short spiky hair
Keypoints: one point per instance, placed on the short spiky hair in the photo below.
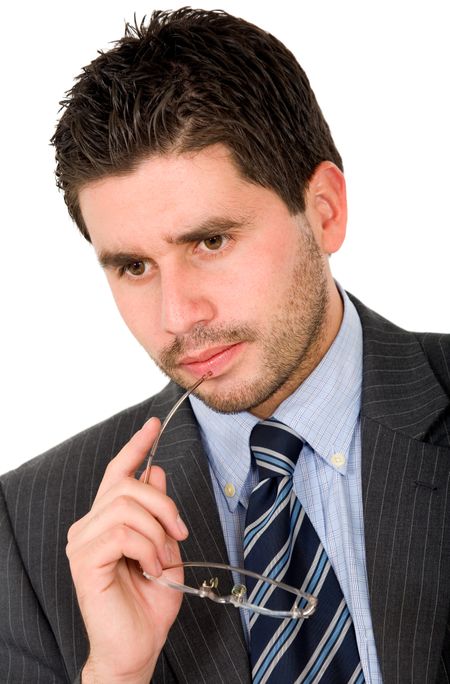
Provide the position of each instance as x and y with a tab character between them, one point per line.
189	79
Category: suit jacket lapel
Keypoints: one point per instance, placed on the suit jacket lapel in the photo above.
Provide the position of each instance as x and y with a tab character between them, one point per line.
206	642
404	495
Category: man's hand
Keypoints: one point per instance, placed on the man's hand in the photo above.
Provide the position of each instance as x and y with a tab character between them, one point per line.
127	617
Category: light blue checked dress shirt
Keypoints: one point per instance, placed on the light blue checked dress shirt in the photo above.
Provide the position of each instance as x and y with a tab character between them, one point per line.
324	411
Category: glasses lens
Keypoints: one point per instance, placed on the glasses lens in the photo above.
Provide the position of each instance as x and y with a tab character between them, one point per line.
253	594
272	596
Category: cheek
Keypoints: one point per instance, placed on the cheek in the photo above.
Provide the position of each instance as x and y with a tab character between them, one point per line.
271	278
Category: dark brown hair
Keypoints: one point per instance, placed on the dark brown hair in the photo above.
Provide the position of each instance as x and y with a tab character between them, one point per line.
189	79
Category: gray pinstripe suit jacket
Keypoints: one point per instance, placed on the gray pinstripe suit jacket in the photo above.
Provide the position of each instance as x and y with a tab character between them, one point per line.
405	469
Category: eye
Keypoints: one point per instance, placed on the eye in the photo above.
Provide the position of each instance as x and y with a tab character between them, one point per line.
214	243
135	269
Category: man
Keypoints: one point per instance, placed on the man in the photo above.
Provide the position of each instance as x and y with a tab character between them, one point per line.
195	159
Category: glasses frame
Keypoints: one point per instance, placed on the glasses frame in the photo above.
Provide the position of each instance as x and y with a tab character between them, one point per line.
209	588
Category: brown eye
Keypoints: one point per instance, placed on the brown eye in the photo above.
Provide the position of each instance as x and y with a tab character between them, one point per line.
137	268
214	242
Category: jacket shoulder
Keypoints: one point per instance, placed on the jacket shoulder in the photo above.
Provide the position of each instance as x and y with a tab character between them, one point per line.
406	378
436	347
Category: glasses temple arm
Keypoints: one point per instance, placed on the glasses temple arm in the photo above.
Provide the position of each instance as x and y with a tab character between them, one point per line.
173	410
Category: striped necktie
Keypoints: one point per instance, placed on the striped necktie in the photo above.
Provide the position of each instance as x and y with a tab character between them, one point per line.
280	542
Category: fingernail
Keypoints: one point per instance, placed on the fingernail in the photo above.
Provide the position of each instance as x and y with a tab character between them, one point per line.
158	568
182	527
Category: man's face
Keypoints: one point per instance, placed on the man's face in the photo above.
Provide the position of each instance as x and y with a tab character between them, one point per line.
211	273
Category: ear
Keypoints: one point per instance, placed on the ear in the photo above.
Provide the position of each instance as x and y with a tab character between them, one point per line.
326	206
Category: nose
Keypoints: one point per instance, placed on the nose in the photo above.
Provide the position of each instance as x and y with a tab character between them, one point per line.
185	301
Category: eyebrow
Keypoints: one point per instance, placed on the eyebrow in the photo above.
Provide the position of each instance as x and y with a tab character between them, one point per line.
108	259
206	229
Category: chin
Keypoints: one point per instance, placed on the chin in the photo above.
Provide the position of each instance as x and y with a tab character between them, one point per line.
244	397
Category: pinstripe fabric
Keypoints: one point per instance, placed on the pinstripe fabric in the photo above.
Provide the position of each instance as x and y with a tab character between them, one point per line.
405	469
44	497
405	414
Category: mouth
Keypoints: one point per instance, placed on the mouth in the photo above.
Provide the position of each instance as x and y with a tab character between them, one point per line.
214	359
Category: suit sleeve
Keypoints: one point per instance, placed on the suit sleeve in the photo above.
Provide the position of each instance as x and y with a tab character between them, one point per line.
28	649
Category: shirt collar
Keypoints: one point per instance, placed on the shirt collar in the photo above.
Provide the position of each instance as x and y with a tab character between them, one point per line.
323	411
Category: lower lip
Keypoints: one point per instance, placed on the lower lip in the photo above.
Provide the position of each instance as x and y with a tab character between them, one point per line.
216	364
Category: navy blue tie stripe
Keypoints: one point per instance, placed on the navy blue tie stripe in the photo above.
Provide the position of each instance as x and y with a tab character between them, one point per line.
277	568
281	543
282	498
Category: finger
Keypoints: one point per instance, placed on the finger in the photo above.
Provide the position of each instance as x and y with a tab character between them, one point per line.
172	552
157	478
127	511
97	560
131	456
149	497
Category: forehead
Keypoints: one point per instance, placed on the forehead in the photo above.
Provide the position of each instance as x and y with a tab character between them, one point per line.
168	194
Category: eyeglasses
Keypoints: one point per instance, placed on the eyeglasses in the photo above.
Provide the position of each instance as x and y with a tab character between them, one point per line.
304	604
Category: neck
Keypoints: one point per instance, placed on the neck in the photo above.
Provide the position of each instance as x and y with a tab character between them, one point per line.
330	328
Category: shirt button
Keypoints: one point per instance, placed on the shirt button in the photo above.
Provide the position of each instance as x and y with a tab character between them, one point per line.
229	489
338	460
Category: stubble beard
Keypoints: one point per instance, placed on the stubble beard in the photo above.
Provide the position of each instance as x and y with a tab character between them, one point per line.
289	349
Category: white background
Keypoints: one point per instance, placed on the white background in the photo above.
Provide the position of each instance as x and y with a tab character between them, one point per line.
380	71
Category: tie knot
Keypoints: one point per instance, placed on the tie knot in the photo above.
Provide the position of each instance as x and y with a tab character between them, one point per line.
276	448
